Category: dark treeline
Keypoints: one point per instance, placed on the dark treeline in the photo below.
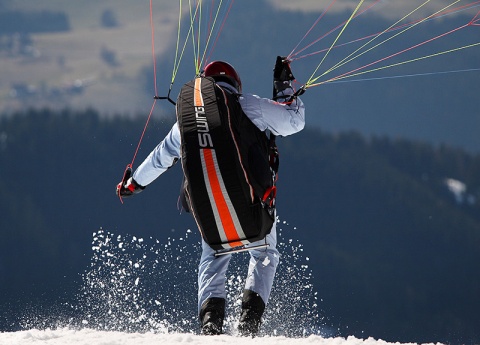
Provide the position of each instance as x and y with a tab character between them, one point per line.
394	253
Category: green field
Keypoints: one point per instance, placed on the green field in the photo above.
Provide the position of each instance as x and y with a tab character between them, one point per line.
62	59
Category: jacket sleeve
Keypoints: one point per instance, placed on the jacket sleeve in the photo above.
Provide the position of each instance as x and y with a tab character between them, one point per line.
160	159
281	119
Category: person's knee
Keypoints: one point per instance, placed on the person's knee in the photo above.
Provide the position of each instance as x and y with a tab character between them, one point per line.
270	256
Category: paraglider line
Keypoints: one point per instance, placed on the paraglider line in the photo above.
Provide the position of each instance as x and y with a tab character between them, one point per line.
349	75
410	48
352	56
312	79
406	76
310	30
292	56
152	28
399	27
219	32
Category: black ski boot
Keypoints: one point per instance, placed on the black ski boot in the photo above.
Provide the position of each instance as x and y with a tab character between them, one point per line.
211	316
251	316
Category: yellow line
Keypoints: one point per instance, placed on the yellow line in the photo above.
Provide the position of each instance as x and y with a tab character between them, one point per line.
312	79
396	64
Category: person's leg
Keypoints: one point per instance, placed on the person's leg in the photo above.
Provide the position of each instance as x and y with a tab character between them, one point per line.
261	272
211	290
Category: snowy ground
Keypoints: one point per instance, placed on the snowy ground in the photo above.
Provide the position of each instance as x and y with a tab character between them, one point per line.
92	337
140	292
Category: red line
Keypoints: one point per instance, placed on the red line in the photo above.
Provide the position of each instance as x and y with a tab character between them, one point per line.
155	85
334	29
400	52
311	28
475	19
210	20
143	133
219	32
456	9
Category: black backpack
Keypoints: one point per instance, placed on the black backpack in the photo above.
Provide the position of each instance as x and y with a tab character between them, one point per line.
228	165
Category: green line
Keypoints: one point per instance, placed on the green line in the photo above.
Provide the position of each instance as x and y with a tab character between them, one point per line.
211	32
397	64
176	68
347	60
406	76
312	79
178	42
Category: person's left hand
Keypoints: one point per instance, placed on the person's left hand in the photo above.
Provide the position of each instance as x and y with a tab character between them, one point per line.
282	74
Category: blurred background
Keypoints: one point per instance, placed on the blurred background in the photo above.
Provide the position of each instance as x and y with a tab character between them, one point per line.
382	187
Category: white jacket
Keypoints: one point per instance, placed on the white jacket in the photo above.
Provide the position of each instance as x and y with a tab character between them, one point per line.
281	119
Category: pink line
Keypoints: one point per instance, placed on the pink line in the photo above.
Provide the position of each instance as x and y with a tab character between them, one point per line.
334	29
473	22
400	52
311	28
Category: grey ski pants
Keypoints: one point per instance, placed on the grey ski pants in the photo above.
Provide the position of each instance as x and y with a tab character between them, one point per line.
261	270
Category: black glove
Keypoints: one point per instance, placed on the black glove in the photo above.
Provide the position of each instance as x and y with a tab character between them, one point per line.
282	74
128	186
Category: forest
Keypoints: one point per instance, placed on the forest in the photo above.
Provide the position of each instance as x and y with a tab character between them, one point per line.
391	226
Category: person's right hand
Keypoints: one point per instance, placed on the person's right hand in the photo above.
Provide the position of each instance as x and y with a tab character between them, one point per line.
128	186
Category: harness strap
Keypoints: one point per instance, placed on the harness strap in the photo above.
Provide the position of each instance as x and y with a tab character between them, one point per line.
269	196
271	193
239	249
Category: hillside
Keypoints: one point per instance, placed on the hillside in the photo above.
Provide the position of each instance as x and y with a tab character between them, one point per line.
90	64
389	245
104	61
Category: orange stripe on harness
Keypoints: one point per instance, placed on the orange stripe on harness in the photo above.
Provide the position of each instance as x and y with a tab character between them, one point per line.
220	202
197	96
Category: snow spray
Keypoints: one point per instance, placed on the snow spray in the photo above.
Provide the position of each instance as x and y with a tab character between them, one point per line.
143	285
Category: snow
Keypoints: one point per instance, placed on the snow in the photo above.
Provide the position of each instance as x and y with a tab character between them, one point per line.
93	337
457	188
138	292
459	191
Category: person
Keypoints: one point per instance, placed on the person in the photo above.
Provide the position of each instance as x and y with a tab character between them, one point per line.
281	117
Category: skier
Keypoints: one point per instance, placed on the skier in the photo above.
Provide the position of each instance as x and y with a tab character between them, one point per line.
282	117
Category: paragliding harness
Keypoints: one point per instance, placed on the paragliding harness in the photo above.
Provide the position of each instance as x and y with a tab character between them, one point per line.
229	167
